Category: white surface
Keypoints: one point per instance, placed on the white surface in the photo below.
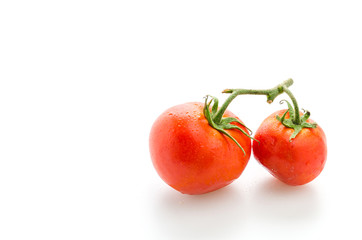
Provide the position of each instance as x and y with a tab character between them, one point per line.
81	83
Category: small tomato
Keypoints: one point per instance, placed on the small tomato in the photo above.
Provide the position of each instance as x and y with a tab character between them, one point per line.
294	161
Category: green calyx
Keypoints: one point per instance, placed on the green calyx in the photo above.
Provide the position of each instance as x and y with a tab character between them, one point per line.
224	123
294	121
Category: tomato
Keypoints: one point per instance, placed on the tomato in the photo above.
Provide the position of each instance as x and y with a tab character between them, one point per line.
191	156
295	162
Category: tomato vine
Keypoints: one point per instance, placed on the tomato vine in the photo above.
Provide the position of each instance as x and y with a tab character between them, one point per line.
216	120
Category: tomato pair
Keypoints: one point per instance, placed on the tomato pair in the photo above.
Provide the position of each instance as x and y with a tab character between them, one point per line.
198	147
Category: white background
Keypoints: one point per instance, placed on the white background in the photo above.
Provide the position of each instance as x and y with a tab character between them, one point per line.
81	83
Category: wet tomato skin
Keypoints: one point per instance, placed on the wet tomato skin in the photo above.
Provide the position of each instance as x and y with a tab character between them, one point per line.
295	163
190	155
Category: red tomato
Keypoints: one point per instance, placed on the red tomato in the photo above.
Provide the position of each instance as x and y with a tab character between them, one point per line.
190	155
294	162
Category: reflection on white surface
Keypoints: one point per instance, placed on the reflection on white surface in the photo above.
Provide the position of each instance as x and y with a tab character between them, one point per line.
207	216
278	201
274	206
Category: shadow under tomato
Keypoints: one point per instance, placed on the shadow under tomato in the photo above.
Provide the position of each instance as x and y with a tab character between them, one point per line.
214	215
278	201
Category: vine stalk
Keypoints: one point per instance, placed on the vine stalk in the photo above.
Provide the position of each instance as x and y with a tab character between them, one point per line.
271	94
215	116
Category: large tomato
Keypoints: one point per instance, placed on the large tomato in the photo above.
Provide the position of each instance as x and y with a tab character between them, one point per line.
295	162
191	156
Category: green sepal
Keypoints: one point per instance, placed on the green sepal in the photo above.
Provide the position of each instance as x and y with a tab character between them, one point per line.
225	123
289	121
290	109
231	119
215	106
309	125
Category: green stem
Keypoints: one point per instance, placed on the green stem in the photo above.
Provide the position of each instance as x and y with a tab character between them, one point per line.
271	94
296	119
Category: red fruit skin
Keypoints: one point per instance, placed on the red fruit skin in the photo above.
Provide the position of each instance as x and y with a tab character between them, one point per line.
190	155
295	163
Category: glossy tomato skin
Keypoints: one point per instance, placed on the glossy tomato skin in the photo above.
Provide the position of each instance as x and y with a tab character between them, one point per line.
295	163
190	155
